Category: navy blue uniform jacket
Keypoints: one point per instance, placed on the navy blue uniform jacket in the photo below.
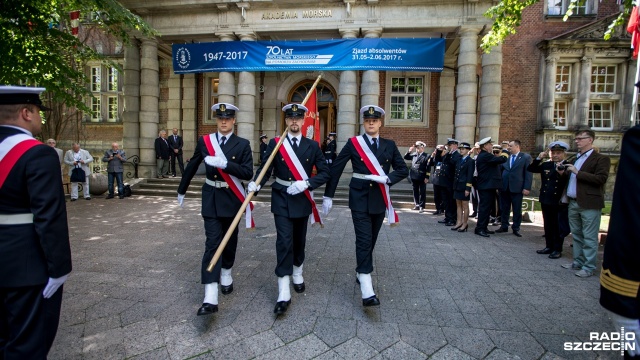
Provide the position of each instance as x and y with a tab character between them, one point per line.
489	167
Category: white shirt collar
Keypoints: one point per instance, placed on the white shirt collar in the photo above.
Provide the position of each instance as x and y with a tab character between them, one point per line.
229	135
19	128
299	137
371	138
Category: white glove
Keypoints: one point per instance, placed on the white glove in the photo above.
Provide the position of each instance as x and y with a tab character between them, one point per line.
327	204
181	200
297	187
252	187
377	178
216	161
53	285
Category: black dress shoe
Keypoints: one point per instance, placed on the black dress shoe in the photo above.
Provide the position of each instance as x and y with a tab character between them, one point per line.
517	233
299	288
281	307
490	232
226	290
207	309
443	221
481	233
449	224
474	214
544	251
437	212
110	196
555	255
502	230
371	301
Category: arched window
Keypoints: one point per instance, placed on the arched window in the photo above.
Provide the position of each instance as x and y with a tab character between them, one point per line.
324	92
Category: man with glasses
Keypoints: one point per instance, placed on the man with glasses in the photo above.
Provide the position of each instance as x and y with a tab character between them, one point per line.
587	176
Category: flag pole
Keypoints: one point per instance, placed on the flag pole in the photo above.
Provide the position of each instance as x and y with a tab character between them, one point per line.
634	102
249	196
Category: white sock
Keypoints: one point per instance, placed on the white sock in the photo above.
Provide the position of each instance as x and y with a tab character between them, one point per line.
630	326
284	294
211	293
365	285
297	274
225	277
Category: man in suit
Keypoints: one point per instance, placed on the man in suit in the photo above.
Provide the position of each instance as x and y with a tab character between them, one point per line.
35	255
489	180
292	200
516	183
368	191
114	159
79	158
588	175
620	277
331	148
175	144
447	173
220	200
163	154
551	190
418	174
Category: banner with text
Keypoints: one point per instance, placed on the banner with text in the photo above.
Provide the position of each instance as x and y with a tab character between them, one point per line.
344	54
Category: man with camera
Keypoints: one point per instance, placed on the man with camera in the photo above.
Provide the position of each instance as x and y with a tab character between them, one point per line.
114	159
78	158
418	174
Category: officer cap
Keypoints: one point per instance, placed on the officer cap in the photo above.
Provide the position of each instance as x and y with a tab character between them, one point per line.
14	95
559	145
224	110
465	145
497	147
294	110
263	136
452	141
505	142
420	143
371	112
484	141
332	134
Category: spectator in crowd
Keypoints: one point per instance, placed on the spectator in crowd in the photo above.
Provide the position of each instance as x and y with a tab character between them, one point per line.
331	149
79	158
447	172
418	174
175	144
620	277
588	175
474	190
551	190
163	153
114	159
496	206
462	187
52	143
435	164
516	183
489	180
263	147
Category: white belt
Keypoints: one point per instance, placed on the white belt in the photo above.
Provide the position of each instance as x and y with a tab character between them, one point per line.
217	184
360	176
284	182
16	219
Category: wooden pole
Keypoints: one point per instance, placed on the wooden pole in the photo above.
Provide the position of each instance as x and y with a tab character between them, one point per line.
249	196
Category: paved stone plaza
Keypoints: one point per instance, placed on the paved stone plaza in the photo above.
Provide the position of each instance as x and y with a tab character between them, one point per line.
135	289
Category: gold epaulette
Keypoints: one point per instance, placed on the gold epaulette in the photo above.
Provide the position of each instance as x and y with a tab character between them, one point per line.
619	285
469	185
504	155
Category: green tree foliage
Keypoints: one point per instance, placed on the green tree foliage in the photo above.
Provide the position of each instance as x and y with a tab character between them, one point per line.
508	16
39	49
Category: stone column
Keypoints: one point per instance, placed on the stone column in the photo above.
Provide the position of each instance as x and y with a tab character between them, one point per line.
246	119
149	115
347	117
446	104
131	90
227	82
549	92
467	88
174	108
490	94
370	87
189	114
583	93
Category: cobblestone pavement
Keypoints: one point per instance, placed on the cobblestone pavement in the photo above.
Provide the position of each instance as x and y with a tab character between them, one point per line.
135	289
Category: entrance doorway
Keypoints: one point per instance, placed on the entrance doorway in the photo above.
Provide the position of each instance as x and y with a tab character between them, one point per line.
326	104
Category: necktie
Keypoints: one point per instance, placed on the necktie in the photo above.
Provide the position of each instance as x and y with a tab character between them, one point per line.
175	138
222	141
295	144
513	159
374	144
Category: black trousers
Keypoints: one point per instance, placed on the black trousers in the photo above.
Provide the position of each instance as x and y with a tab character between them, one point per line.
474	199
511	201
215	229
486	198
367	226
563	221
419	192
290	243
451	209
437	197
551	227
28	322
175	156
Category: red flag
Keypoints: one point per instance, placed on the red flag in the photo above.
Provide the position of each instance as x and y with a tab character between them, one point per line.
75	21
634	29
311	128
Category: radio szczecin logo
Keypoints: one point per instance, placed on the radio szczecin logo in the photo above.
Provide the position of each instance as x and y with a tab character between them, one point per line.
613	341
183	58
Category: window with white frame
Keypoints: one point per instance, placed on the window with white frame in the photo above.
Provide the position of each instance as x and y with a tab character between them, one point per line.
603	79
563	79
601	115
106	103
560	114
560	7
407	98
212	97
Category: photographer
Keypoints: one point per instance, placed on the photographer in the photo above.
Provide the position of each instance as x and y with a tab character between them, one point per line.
435	161
418	174
115	157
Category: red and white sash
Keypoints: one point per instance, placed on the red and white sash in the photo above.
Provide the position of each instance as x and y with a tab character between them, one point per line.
371	162
299	173
213	147
11	149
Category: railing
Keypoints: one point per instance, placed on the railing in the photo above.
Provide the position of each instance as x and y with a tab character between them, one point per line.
528	204
132	161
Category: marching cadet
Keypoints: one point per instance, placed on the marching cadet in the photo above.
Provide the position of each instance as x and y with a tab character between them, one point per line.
554	179
35	255
447	173
489	180
369	199
228	160
462	186
292	200
331	149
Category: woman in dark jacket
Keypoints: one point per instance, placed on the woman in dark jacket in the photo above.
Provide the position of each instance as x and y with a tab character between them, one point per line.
462	186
